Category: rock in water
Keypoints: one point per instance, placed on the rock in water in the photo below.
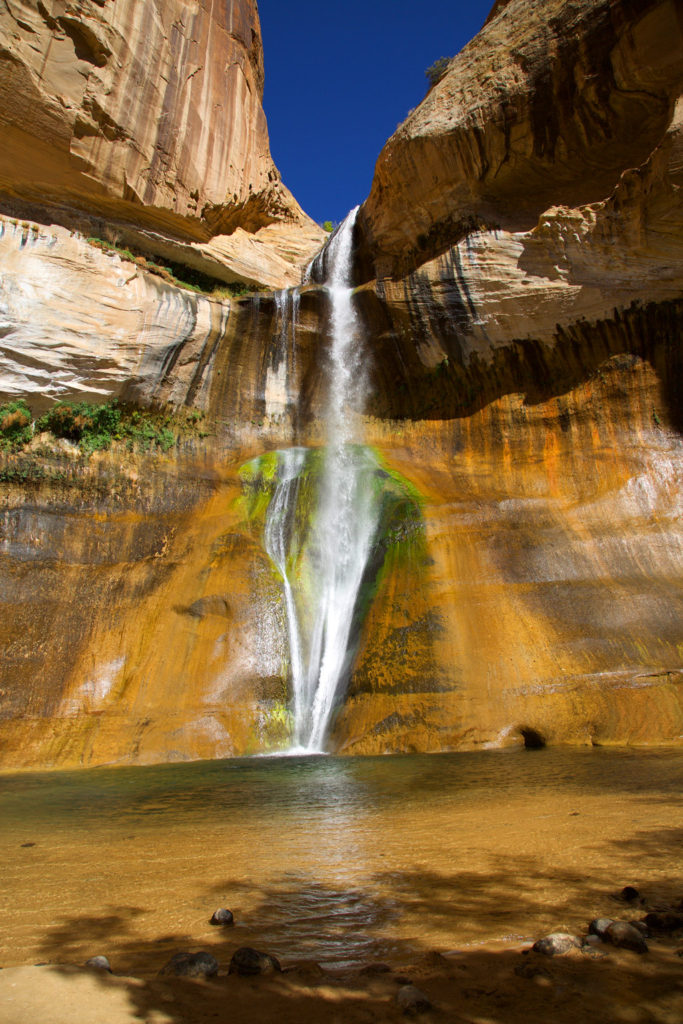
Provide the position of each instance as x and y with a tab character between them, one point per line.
100	962
191	965
625	936
629	893
222	917
412	1000
247	961
556	944
599	926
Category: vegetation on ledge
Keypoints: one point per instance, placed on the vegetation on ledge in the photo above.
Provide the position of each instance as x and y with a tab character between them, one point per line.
96	427
178	274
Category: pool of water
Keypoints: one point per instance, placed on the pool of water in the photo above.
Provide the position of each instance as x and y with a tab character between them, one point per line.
340	860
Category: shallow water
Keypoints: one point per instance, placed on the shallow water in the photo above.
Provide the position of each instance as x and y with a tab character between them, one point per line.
336	859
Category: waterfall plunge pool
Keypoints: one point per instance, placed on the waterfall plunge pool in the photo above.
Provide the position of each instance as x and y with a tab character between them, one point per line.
337	860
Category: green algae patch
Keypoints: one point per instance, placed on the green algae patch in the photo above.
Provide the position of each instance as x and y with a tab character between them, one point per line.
281	498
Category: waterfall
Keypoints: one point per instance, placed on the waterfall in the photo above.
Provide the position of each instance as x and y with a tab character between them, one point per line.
277	542
343	522
280	380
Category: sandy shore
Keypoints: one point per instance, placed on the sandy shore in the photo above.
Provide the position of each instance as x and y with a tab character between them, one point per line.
482	986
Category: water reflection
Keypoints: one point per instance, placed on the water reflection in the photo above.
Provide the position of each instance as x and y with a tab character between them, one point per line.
336	859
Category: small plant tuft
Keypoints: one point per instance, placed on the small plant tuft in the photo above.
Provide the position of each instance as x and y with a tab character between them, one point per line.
16	428
436	71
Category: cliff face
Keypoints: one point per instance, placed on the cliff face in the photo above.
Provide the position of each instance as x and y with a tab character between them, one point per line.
546	107
520	269
523	241
146	116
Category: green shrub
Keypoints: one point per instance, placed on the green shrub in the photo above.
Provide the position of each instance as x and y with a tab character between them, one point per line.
436	71
15	425
94	427
328	226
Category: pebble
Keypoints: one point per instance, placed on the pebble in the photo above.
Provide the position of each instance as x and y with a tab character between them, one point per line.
222	917
100	962
247	961
412	1000
556	944
191	965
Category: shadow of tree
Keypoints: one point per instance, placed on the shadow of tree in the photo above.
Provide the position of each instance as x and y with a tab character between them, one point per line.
344	929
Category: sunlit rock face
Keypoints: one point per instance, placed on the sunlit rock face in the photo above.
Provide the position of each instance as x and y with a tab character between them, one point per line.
524	245
148	116
520	271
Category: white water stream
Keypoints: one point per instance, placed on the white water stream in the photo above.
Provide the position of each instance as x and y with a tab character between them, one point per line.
343	521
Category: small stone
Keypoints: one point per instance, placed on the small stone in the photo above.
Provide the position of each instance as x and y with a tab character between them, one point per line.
599	926
222	917
629	893
556	944
412	1001
592	940
100	962
191	965
625	936
247	961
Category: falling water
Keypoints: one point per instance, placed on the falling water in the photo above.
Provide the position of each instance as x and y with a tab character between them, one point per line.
344	520
280	383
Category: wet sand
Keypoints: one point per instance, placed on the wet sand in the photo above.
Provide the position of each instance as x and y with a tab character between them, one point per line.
346	863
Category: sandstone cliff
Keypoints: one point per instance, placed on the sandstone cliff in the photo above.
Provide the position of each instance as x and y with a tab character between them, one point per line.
145	120
521	286
546	107
525	235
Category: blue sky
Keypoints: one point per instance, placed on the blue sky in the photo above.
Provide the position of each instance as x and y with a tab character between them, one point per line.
340	76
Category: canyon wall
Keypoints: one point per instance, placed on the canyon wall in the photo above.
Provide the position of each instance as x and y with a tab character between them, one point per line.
520	282
144	121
